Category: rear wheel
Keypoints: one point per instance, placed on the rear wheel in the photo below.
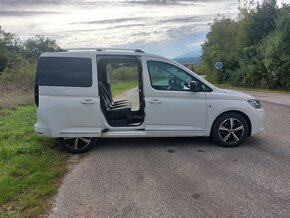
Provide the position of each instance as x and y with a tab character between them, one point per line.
78	145
230	130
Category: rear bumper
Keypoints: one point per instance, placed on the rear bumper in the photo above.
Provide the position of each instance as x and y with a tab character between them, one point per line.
42	129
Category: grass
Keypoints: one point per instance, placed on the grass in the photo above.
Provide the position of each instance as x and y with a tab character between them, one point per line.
30	166
226	86
119	87
15	99
13	96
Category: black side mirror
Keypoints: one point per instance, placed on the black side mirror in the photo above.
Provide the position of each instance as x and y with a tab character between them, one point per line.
194	86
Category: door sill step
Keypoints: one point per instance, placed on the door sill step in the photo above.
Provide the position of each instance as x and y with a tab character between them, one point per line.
125	134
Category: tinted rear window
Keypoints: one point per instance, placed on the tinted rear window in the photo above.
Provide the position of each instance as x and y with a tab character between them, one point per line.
64	71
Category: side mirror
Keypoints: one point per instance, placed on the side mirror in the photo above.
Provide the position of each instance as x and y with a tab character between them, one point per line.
194	86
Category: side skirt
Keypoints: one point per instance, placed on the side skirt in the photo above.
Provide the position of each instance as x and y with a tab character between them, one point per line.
156	133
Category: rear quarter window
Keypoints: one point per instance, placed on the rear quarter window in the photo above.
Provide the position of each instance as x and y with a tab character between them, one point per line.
64	71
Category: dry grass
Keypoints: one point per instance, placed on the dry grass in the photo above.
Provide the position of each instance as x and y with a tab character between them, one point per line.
14	96
17	85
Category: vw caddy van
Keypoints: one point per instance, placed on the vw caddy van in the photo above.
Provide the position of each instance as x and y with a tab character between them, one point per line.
75	101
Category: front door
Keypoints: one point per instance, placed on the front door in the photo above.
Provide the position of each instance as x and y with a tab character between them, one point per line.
171	107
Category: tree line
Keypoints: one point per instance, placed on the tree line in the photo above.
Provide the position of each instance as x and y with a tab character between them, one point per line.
12	49
254	47
18	60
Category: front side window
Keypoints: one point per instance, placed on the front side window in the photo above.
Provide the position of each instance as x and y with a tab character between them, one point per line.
64	71
165	76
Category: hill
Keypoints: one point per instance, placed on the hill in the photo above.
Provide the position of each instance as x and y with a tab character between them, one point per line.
188	58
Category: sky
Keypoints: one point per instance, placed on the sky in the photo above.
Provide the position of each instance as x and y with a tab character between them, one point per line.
166	27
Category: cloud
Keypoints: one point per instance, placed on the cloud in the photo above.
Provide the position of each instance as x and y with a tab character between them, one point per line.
110	21
161	2
172	2
29	2
169	48
186	30
168	27
146	21
80	3
125	26
26	13
140	34
10	4
188	19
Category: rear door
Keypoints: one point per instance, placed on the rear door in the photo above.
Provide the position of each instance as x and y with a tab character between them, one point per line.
68	95
171	108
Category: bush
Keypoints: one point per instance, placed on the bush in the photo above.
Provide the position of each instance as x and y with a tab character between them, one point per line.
254	49
17	67
124	73
3	62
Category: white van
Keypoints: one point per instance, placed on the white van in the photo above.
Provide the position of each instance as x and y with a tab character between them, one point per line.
73	93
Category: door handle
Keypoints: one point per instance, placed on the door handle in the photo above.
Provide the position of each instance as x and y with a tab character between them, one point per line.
155	101
88	101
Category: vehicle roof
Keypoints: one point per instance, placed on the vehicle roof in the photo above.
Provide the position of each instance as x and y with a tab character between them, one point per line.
83	52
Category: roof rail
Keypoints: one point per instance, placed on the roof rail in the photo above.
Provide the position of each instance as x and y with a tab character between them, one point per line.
104	49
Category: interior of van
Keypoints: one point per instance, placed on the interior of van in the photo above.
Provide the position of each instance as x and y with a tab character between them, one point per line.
113	73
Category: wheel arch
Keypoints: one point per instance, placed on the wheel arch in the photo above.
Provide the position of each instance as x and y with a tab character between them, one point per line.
238	112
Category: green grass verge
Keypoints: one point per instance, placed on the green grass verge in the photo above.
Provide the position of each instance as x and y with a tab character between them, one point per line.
226	86
119	87
30	166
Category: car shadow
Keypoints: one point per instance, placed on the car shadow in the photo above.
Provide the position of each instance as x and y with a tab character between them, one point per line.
172	144
144	143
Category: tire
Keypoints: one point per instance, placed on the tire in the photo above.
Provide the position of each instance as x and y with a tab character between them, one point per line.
78	145
230	130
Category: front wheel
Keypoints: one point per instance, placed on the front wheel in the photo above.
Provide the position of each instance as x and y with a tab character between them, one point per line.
78	145
230	130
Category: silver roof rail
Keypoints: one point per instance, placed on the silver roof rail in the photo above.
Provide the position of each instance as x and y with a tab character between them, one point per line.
104	49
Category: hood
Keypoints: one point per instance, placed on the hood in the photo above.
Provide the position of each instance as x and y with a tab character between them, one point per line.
237	94
230	94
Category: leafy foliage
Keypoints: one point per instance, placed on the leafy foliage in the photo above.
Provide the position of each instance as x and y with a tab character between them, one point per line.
196	68
123	73
35	46
7	44
254	48
17	67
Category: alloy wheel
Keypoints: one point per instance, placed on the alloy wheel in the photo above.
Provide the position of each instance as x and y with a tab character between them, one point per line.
231	130
77	143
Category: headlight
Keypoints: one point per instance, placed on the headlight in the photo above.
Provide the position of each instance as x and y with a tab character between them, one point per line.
255	103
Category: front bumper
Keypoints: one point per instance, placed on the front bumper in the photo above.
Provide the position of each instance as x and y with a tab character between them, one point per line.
258	121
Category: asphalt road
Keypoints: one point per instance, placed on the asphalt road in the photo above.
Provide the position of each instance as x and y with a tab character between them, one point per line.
184	177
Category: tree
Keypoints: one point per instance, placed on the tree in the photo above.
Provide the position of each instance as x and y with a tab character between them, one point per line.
254	48
256	23
11	50
38	44
220	46
3	61
276	53
6	41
